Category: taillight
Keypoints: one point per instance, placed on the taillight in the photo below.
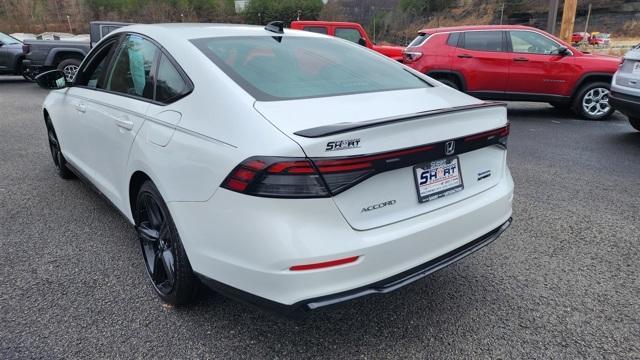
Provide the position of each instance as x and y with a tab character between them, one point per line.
324	177
276	177
26	49
409	57
499	136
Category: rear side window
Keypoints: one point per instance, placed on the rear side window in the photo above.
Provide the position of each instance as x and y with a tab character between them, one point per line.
295	67
316	29
352	35
169	84
453	39
418	41
132	72
483	41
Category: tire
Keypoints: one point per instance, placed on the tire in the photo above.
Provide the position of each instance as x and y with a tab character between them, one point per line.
592	101
166	261
56	153
69	67
27	75
561	106
450	83
635	123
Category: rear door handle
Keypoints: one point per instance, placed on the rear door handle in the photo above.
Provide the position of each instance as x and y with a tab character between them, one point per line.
520	59
465	56
81	107
124	123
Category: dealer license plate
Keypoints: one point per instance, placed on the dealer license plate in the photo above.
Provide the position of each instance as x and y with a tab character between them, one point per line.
438	178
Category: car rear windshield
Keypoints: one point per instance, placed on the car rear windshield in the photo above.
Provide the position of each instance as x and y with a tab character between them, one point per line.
288	67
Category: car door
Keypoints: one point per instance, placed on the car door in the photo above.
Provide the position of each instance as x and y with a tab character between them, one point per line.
117	113
75	129
482	60
537	66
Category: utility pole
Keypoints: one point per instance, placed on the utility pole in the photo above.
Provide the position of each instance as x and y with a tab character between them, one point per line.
568	19
553	16
586	25
373	9
501	13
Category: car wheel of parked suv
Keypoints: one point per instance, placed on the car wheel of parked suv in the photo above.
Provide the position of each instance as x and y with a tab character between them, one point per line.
56	153
166	261
561	106
450	83
592	101
635	123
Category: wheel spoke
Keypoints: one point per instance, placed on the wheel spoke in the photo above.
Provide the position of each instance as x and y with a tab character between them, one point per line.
147	233
168	264
157	268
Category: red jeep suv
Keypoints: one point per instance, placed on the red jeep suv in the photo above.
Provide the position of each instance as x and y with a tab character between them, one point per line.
515	63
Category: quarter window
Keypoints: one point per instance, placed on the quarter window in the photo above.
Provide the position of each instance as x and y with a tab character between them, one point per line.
133	68
453	39
169	84
530	42
316	29
352	35
483	40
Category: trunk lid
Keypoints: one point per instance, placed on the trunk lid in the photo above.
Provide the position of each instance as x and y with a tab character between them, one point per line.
365	124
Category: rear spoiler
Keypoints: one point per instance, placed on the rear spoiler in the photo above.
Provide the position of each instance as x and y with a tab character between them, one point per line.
340	128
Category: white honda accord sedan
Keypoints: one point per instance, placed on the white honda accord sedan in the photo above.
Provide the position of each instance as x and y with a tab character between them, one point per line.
284	168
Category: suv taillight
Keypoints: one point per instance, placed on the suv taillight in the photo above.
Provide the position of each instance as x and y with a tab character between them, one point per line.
26	49
409	57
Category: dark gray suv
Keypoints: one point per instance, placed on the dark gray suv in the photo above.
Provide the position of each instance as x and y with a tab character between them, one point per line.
11	56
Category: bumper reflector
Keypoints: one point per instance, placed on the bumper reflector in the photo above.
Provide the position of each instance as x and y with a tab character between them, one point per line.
325	264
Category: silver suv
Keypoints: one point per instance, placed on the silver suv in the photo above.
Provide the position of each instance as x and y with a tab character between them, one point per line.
625	88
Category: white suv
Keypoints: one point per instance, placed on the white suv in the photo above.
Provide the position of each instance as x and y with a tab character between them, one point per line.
625	87
285	168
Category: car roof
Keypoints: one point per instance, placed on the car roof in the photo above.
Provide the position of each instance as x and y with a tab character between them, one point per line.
476	27
205	30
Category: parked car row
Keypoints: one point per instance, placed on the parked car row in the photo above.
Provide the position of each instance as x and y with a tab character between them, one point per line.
34	56
595	39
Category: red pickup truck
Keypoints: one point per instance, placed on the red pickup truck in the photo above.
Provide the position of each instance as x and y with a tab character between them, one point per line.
349	31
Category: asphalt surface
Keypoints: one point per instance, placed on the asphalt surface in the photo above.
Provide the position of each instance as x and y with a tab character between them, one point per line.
562	282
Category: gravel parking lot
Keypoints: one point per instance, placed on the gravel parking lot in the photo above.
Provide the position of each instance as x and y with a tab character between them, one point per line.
562	282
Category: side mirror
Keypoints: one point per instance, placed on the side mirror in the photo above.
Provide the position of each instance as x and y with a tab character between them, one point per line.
362	41
53	79
564	51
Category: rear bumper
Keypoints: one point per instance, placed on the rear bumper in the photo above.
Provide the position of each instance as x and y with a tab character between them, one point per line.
384	286
626	104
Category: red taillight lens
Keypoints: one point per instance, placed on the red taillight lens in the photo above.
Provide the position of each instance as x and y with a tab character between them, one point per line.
276	177
323	177
500	135
409	57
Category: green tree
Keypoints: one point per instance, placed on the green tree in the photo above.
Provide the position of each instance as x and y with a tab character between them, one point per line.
264	11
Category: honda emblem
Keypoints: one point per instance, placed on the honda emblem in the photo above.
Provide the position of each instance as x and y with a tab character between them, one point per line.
450	147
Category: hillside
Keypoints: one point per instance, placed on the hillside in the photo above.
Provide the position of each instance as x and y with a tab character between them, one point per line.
398	20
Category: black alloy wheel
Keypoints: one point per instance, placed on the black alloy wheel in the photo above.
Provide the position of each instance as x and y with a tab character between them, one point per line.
165	259
56	153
